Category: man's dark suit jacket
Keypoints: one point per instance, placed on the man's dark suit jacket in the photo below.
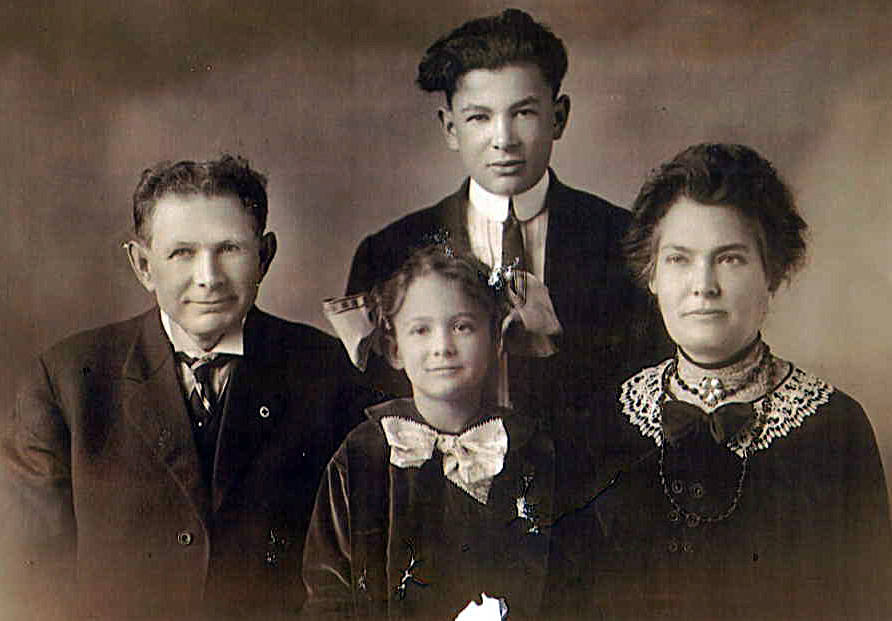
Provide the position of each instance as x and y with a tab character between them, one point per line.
611	329
101	466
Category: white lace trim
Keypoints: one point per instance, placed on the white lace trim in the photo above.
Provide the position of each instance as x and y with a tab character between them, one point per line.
777	413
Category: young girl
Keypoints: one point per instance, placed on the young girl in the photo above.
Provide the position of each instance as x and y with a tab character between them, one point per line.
439	498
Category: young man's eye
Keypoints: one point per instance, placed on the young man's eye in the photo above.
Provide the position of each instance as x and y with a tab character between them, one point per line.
180	253
230	248
476	118
526	112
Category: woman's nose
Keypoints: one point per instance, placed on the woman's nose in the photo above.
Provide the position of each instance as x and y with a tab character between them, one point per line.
705	281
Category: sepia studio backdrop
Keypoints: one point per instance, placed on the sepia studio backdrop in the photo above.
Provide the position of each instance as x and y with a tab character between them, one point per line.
320	96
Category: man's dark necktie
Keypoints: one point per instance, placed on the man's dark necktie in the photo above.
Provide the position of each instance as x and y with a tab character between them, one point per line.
512	239
203	400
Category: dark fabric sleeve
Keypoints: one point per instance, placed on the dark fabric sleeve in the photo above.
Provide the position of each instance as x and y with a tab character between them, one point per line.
867	546
362	275
327	569
38	533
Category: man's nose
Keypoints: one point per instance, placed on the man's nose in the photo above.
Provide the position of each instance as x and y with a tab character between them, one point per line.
207	271
503	134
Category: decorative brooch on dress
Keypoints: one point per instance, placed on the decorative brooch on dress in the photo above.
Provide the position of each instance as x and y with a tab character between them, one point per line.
526	510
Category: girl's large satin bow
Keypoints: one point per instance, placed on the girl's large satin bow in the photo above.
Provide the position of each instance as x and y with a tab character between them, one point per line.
470	460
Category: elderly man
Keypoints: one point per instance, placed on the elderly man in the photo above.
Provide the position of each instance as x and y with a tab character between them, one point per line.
168	463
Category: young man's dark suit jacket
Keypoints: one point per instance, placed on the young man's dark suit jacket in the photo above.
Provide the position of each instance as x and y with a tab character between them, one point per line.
611	329
101	467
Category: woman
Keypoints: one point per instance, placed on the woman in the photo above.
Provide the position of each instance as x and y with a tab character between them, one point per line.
748	488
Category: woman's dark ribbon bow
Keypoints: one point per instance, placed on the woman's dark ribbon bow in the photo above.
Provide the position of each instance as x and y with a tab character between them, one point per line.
681	419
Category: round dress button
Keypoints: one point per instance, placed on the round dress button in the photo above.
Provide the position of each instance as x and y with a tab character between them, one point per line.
674	516
677	487
264	411
184	538
688	547
672	545
697	490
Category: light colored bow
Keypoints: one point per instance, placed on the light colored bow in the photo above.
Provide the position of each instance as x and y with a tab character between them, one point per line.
531	322
470	460
351	318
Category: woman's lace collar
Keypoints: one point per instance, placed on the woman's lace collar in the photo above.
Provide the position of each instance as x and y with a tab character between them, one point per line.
778	412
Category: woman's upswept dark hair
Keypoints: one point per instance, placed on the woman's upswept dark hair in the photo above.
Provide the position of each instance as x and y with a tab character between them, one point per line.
492	43
466	270
229	175
730	175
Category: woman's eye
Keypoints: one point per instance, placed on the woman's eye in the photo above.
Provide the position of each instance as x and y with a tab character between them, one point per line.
676	258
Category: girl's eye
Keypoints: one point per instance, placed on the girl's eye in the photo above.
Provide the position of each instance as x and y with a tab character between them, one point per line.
464	327
418	330
733	259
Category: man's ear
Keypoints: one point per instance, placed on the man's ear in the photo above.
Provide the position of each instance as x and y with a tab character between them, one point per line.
138	255
447	123
561	115
268	247
392	353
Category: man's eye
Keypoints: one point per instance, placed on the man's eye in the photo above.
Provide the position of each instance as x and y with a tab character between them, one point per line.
526	112
180	253
476	118
230	248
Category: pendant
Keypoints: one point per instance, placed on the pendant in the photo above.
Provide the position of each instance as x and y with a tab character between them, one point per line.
711	390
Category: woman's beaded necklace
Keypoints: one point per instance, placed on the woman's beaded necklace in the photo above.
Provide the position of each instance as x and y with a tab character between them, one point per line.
692	518
711	390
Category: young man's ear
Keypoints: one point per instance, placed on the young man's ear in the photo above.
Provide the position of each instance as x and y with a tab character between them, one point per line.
138	255
392	353
447	123
268	247
561	115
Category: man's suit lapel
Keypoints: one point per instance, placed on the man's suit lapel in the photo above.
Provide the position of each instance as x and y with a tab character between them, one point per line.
454	219
257	402
156	408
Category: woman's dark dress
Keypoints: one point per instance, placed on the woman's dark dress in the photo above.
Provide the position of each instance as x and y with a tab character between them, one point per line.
371	516
809	538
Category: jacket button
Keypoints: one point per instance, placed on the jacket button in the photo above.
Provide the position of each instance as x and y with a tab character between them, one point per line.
184	538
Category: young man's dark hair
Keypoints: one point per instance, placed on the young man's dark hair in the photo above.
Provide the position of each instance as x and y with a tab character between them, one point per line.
491	43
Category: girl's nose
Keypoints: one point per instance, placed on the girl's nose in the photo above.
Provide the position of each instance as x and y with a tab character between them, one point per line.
443	344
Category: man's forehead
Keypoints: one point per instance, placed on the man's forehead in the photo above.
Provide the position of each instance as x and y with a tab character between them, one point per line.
197	218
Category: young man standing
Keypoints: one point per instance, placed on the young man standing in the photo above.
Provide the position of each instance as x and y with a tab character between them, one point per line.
503	110
168	463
